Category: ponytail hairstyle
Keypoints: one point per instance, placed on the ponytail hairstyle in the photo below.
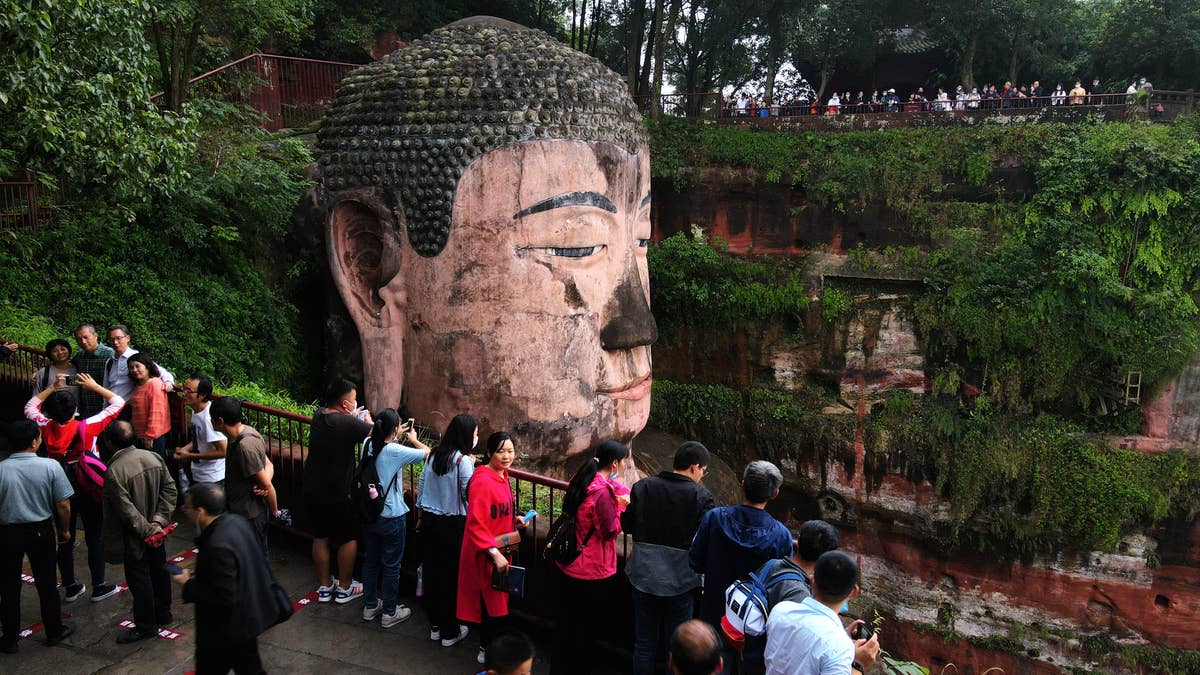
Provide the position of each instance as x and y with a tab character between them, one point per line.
459	435
386	421
493	444
603	455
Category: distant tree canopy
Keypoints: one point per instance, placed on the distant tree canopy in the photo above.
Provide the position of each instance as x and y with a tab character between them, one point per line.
708	45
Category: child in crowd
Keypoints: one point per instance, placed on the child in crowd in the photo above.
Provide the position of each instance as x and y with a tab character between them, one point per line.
509	654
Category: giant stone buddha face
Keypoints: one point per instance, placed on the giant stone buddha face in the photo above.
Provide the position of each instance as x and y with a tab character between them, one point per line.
486	192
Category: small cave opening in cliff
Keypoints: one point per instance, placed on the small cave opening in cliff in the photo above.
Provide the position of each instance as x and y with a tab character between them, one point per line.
1162	601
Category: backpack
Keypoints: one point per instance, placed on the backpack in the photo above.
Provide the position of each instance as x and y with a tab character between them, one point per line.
366	478
88	473
746	604
561	545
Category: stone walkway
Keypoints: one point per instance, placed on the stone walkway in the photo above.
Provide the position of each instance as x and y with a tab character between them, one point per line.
319	638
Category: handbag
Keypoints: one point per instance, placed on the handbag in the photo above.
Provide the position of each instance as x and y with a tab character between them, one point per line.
507	541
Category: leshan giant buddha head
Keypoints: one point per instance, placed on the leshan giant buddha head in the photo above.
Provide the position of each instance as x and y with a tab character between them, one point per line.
486	194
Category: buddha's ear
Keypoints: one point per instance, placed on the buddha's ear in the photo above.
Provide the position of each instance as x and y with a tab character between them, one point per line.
364	258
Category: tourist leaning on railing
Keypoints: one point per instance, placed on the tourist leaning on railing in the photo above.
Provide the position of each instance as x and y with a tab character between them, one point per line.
596	499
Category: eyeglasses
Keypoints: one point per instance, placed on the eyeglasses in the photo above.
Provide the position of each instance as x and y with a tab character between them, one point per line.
117	338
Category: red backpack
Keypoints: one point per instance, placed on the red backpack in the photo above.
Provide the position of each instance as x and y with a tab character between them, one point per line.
89	470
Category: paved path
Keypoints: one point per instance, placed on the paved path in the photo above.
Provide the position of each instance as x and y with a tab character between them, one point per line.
319	638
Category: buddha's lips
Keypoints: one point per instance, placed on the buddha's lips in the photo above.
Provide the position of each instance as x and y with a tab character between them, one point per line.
632	391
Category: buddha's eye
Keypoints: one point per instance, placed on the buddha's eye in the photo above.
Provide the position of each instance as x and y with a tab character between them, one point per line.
571	252
642	243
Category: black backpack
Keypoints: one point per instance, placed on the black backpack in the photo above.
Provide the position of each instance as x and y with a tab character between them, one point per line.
561	546
369	508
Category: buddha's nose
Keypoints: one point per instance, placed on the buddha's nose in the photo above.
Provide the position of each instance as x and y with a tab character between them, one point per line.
629	321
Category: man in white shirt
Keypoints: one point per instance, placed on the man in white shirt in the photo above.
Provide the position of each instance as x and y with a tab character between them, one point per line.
116	371
206	447
807	638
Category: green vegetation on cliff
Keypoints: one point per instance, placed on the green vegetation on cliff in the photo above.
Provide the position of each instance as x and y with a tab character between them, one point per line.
1042	296
1016	485
196	273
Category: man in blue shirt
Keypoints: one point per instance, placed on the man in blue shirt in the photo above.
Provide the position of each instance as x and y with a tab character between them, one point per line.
35	489
733	541
807	638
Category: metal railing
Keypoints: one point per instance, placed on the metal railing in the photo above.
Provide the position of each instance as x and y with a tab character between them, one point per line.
24	204
703	104
286	91
1159	105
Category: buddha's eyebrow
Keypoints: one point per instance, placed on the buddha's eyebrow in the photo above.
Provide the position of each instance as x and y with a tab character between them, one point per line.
645	201
569	199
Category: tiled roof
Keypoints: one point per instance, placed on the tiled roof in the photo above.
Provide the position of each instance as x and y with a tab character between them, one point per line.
908	40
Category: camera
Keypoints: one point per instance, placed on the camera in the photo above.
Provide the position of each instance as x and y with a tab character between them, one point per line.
72	380
407	424
864	631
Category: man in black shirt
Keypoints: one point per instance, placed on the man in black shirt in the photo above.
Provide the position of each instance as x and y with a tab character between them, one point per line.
328	470
663	514
232	587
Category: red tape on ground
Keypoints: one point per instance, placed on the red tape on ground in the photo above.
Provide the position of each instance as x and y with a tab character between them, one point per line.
163	633
186	555
37	627
297	605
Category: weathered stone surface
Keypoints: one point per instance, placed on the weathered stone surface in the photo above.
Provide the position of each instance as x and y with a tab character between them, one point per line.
484	194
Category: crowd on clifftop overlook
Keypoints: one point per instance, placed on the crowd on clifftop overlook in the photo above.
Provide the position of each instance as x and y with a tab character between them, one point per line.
987	97
716	589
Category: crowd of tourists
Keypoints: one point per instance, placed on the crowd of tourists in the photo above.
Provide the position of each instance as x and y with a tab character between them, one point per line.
715	589
988	97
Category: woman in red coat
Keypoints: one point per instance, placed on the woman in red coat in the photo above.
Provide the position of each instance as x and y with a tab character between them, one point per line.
490	513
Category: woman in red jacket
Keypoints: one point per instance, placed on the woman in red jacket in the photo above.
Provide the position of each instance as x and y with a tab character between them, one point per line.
597	501
490	513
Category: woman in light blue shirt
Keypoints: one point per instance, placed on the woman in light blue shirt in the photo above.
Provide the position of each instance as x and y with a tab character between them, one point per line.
443	500
384	539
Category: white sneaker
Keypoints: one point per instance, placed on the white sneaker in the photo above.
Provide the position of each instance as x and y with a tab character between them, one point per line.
325	593
434	634
401	614
369	613
481	657
451	641
344	595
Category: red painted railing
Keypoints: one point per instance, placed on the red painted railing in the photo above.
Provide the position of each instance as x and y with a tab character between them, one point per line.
24	205
287	92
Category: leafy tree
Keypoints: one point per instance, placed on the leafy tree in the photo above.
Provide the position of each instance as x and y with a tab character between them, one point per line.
961	27
74	100
837	33
1157	38
176	28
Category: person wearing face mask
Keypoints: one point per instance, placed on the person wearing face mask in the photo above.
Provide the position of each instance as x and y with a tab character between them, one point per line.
384	538
329	470
442	500
597	501
491	512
